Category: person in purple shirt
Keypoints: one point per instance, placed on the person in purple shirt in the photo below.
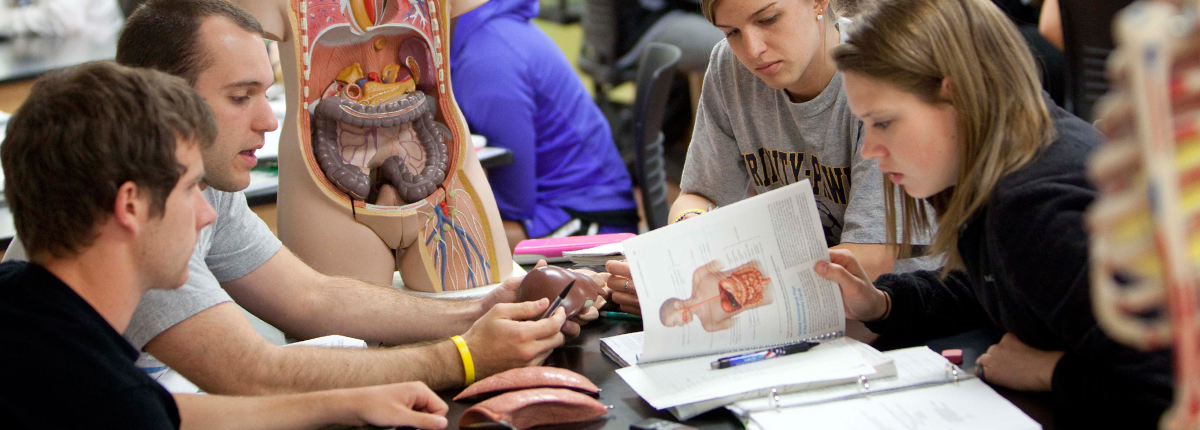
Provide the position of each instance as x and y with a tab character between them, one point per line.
516	88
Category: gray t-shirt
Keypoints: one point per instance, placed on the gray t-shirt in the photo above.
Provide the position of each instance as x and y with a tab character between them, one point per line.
237	243
750	135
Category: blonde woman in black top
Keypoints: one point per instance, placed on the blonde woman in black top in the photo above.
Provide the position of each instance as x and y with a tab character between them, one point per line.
954	113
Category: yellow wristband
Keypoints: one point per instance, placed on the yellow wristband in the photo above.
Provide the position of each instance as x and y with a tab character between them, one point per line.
468	365
689	212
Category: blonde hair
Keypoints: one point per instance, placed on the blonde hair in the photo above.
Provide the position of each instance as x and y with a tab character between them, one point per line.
1003	121
709	8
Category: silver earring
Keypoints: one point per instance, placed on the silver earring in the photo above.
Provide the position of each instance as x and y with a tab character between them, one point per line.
818	17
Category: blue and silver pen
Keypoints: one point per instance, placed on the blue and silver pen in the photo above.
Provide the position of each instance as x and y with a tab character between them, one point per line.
762	355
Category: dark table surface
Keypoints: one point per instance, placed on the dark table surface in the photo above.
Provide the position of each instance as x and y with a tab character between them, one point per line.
582	354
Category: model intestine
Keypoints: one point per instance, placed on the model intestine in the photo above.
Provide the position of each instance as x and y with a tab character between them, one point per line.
381	135
1145	227
367	123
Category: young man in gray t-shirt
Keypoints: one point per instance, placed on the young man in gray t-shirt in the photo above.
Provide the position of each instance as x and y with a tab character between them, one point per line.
198	332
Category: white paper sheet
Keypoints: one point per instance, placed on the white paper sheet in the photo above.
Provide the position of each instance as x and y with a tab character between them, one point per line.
965	405
626	347
690	380
884	367
914	367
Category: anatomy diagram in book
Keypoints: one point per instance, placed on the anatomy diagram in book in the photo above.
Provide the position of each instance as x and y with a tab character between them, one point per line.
719	295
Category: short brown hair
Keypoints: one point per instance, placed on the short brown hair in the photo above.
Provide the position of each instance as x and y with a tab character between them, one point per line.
161	35
83	133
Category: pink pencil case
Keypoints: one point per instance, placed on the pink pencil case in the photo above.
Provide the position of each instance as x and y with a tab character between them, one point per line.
529	251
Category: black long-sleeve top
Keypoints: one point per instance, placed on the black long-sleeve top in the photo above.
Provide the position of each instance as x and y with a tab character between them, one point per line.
1026	260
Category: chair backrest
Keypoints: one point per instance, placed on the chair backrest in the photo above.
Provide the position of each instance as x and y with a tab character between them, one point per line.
656	71
1087	42
600	22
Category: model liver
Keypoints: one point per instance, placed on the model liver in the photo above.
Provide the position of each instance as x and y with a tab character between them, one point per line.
535	407
526	378
549	281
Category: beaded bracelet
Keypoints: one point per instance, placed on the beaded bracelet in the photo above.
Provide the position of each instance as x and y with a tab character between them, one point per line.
688	212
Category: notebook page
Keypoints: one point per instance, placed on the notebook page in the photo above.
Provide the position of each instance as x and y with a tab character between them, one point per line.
917	366
677	382
883	367
626	347
966	405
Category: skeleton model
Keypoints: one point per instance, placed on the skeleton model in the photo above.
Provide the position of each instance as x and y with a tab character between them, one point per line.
375	172
1146	226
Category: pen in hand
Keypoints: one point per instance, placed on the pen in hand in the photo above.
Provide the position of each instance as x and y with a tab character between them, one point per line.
763	355
557	302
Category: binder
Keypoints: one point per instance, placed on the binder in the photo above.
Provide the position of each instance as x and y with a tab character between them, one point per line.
907	369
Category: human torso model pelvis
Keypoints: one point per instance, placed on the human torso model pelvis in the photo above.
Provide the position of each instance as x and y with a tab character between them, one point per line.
376	170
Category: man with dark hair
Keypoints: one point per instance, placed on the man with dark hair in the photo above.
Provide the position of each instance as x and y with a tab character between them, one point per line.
103	171
199	332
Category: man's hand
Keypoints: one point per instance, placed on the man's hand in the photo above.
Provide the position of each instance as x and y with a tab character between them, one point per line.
510	336
1013	364
410	404
861	300
506	292
620	287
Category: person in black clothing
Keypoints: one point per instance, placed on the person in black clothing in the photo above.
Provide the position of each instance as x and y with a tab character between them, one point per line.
103	173
953	111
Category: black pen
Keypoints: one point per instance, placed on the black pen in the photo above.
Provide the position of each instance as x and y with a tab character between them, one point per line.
558	301
763	355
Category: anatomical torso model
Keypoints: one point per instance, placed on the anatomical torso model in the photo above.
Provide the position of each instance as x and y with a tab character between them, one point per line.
376	170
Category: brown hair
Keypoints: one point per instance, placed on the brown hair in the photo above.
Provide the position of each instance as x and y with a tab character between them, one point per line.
162	35
83	133
1003	121
835	8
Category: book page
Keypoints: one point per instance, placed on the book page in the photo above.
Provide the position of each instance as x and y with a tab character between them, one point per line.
737	278
965	405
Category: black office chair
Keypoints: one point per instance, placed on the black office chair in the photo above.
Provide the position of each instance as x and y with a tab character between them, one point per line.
610	55
655	72
1087	42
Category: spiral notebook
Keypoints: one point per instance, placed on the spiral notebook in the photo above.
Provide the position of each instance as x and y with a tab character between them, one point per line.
737	279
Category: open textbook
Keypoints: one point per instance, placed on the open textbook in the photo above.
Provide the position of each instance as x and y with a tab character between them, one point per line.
738	278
